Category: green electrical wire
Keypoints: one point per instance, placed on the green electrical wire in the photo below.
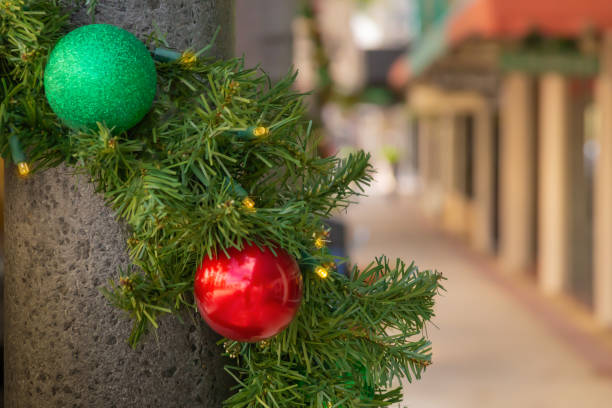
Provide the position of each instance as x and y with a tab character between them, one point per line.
18	155
17	152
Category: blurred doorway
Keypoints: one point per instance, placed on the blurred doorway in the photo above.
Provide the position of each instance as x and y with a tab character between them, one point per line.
583	156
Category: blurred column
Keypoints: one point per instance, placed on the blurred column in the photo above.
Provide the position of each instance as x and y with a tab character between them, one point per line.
603	191
482	220
446	145
555	184
452	159
447	132
1	273
1	208
517	172
424	133
429	165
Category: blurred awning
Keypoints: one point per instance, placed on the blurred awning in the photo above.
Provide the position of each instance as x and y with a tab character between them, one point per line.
506	19
500	20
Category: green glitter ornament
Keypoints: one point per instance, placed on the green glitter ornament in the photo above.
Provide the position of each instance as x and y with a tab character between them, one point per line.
100	73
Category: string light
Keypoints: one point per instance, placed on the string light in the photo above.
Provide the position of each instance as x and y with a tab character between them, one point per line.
320	239
18	155
252	132
322	272
248	204
188	58
165	55
261	131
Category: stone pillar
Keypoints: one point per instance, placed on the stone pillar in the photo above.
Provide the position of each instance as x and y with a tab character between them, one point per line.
482	220
447	161
65	345
1	273
453	162
580	185
517	172
1	210
554	184
430	166
424	134
603	191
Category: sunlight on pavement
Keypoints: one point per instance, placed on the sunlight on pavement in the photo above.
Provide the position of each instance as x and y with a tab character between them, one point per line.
489	350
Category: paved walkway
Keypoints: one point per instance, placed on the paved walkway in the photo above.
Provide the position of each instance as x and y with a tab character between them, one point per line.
490	351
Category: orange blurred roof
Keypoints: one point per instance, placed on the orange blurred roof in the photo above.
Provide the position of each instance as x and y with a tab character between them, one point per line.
516	18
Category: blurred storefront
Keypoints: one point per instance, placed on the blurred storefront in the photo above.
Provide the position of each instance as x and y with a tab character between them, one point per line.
512	102
343	50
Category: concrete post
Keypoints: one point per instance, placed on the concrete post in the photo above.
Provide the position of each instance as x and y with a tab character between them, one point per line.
424	133
580	184
554	192
447	139
453	162
603	191
517	172
1	208
482	220
64	343
430	173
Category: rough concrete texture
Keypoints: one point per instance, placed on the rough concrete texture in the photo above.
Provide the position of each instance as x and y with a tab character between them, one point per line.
2	322
65	345
183	23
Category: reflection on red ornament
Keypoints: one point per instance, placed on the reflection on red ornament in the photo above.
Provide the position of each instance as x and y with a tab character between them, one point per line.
250	296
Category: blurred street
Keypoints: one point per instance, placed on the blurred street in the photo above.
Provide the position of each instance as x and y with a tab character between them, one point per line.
492	349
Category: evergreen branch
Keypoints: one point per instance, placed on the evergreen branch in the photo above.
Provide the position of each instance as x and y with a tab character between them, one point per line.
178	179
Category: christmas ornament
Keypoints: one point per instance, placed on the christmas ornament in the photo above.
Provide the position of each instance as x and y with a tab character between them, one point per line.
250	296
100	73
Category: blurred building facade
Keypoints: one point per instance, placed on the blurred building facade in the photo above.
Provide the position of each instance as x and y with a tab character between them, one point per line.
512	106
343	50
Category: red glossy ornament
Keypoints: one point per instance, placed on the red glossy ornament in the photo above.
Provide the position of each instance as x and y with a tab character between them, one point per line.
250	296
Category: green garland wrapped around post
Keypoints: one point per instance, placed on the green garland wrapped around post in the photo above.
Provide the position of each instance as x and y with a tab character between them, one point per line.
222	161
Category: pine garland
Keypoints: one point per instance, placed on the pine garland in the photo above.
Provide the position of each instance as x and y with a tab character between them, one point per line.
218	139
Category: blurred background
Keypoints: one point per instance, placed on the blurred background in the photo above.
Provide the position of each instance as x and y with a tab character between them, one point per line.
490	127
